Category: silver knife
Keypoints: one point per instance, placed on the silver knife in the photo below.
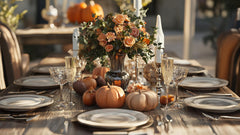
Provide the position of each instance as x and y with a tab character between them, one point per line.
26	118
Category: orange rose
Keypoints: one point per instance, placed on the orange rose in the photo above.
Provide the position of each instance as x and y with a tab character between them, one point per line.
98	31
143	29
118	28
119	19
109	48
129	41
135	32
131	25
146	40
126	18
101	37
110	36
103	43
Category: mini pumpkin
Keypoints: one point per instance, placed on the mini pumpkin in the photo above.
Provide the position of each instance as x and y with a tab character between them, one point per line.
90	82
142	100
91	9
110	97
75	12
89	97
100	71
80	11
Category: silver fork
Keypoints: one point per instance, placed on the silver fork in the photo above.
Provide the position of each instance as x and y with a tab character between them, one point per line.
220	117
18	117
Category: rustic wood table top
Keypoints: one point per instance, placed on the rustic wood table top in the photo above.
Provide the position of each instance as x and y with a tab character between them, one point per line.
186	121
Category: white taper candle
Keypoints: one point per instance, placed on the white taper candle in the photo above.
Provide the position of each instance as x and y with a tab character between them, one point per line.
75	41
159	38
137	4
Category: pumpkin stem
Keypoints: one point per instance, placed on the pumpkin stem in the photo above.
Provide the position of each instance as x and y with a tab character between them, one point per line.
90	2
139	90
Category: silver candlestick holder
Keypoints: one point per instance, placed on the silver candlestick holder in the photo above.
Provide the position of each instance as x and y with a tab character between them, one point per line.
50	14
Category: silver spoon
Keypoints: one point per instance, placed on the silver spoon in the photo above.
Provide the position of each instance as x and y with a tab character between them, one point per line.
169	118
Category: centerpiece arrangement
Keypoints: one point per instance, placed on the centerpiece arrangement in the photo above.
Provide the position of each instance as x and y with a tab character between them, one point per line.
114	37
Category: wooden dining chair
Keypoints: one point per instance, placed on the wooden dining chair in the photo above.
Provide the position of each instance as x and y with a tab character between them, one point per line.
15	64
227	60
2	80
235	70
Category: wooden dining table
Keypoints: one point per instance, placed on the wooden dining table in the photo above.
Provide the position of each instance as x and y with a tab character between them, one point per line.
185	121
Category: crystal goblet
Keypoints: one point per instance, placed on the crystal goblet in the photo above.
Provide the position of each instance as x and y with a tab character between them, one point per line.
58	74
179	74
167	75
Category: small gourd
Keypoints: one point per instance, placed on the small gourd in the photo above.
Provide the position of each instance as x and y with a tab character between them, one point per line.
110	97
142	100
100	71
90	82
89	97
91	9
75	12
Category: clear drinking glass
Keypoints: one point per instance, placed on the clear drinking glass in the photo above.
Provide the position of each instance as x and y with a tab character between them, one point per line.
58	74
167	75
80	66
179	74
70	67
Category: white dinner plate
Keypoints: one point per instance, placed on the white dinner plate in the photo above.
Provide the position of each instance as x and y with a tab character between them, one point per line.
203	83
192	70
24	102
41	69
181	62
113	118
36	82
216	104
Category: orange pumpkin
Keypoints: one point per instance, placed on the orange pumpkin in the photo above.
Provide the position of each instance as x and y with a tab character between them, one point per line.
75	12
110	97
71	13
80	11
100	71
90	82
91	9
89	97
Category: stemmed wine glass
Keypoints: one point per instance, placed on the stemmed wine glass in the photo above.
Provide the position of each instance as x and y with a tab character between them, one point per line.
70	67
80	63
80	66
167	75
179	74
58	74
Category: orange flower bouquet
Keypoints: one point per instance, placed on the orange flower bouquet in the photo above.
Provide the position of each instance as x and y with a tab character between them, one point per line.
119	33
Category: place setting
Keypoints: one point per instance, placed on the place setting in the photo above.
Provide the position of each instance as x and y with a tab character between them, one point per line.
114	119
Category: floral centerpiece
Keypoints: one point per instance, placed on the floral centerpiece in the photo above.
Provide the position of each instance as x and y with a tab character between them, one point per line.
119	33
122	33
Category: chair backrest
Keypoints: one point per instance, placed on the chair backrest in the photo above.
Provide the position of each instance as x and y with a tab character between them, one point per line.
235	70
227	62
11	54
2	80
225	47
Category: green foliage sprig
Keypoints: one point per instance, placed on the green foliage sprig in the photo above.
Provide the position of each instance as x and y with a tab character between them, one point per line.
7	15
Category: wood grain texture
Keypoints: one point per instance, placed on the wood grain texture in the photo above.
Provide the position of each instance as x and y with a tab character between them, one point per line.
186	121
